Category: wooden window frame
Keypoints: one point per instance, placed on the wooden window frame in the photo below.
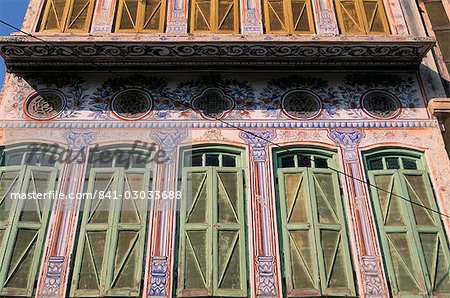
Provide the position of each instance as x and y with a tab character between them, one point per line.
14	223
442	61
314	225
64	25
362	19
214	18
288	18
410	228
140	18
112	229
212	214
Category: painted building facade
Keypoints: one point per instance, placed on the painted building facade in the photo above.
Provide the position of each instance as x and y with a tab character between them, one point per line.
303	149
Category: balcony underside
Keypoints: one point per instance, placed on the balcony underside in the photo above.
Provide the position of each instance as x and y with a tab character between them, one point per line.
28	54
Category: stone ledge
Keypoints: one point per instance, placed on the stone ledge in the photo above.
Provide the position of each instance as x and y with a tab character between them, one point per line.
439	106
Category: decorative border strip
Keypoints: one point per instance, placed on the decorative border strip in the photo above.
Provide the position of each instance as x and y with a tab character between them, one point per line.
154	53
206	124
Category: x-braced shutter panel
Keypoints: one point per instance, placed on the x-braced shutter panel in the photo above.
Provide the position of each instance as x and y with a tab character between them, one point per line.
375	16
28	221
152	19
350	16
79	14
302	19
226	11
229	235
201	15
431	235
53	18
277	21
128	14
197	231
336	277
128	250
298	245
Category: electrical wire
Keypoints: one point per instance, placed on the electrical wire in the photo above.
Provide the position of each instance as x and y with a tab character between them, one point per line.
189	106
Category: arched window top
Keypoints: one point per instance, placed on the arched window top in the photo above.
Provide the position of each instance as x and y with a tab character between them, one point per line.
312	223
305	157
122	156
33	154
392	159
215	156
403	200
362	17
67	16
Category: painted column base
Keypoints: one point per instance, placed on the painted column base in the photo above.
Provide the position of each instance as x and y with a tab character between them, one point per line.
266	276
52	283
158	277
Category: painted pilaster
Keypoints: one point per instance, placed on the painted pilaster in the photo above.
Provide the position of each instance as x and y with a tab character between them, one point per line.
262	216
162	220
396	18
325	17
53	278
251	16
32	15
102	21
372	276
177	16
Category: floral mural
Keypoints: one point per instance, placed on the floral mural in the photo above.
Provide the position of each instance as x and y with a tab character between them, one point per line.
256	97
241	91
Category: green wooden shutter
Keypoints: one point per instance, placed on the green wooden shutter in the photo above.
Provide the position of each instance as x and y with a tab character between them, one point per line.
212	244
229	267
337	274
415	248
429	232
23	226
405	273
112	236
300	260
315	242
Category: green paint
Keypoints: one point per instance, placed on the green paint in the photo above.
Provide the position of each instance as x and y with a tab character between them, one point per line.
414	246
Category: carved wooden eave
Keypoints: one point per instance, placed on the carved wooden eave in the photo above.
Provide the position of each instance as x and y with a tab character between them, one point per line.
94	53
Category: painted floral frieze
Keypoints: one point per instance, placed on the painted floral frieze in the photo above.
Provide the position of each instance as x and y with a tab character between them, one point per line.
256	96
